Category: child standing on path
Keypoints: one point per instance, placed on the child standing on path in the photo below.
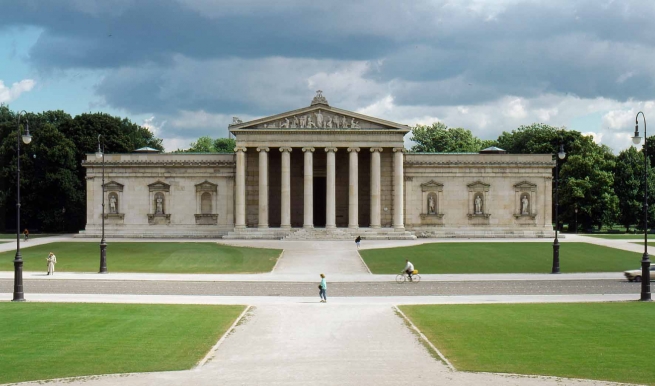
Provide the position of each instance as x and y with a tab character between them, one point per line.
322	288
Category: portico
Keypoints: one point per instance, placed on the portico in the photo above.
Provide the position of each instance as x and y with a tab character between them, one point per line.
297	172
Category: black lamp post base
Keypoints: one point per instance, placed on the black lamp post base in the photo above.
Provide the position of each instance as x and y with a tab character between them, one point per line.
555	269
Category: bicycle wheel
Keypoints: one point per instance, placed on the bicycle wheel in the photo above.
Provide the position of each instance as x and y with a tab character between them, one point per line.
400	278
416	278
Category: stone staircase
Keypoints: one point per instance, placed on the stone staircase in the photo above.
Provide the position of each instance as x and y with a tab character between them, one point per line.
350	234
259	234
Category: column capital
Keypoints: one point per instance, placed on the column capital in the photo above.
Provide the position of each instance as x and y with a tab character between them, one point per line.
260	149
399	149
240	148
351	149
306	149
286	149
331	149
376	149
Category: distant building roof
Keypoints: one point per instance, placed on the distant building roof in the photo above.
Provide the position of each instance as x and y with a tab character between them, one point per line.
493	150
147	150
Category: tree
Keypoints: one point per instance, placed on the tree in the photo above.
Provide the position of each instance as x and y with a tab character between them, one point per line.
628	185
207	145
439	138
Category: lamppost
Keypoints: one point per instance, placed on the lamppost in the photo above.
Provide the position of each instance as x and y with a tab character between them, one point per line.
19	296
576	220
645	261
560	156
103	244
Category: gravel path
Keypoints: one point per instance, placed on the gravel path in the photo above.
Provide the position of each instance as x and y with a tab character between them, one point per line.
360	289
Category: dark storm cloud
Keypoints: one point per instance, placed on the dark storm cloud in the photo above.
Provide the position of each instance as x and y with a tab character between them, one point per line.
220	56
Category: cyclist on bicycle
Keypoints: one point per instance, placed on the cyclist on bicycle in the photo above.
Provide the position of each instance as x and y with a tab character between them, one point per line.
409	269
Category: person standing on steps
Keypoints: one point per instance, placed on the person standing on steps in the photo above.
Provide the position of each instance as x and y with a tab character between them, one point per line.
358	240
322	289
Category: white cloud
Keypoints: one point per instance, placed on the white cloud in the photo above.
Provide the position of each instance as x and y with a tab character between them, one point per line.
153	125
8	94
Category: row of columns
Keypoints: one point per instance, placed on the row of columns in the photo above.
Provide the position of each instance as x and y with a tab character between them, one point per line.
330	194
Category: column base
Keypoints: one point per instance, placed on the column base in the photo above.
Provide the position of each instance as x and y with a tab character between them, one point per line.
399	229
240	227
353	227
308	226
262	226
375	226
285	226
330	227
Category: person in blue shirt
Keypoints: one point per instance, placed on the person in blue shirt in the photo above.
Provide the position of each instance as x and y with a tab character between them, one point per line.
322	288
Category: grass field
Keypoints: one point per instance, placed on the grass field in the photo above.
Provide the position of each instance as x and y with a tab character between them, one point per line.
47	340
618	236
603	341
12	236
500	258
147	257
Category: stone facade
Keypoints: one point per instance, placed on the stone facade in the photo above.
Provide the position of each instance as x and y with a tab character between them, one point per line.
320	169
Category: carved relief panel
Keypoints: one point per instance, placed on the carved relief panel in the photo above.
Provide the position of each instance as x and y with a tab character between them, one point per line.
159	193
206	203
478	212
525	199
114	198
432	202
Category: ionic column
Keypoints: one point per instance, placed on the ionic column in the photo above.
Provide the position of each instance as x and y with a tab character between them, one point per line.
240	199
309	188
330	194
375	187
398	181
263	187
353	195
285	215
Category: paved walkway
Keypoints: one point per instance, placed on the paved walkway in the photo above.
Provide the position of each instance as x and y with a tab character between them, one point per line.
295	340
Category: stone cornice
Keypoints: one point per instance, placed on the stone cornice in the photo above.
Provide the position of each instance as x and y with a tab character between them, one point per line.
480	163
147	163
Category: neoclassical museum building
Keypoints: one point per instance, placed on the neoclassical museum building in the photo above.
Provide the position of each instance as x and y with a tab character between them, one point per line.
320	172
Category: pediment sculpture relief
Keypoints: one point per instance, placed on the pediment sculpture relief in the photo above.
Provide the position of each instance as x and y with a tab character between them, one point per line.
315	120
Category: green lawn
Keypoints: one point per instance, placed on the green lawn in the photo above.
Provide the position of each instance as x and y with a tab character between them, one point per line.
603	341
618	236
48	340
12	236
500	258
147	257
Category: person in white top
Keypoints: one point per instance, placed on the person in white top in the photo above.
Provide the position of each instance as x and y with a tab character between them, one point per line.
52	260
409	269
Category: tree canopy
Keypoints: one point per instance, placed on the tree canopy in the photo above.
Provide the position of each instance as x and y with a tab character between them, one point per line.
439	138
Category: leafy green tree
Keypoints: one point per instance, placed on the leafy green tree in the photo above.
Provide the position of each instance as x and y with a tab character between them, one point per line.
207	145
628	185
439	138
225	145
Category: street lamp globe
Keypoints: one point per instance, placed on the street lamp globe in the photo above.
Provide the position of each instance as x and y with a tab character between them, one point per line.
562	153
27	138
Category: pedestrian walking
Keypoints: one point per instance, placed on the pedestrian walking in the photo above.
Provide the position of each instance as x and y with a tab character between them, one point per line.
52	260
26	234
322	289
358	240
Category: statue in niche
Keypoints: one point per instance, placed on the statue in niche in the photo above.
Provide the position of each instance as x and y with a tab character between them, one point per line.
328	122
159	205
310	122
285	124
303	121
344	122
525	205
431	209
319	119
113	201
478	204
354	124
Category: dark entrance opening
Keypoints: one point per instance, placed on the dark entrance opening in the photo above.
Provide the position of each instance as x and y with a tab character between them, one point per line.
319	202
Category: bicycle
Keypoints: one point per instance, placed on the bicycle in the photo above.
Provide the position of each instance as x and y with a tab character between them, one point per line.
403	277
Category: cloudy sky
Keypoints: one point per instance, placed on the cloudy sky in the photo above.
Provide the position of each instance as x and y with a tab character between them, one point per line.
185	67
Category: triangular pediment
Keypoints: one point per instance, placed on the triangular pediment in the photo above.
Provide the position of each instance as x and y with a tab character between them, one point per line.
318	117
159	186
113	186
525	186
206	186
432	185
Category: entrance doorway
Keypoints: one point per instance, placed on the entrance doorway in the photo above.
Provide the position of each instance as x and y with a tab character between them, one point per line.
319	202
